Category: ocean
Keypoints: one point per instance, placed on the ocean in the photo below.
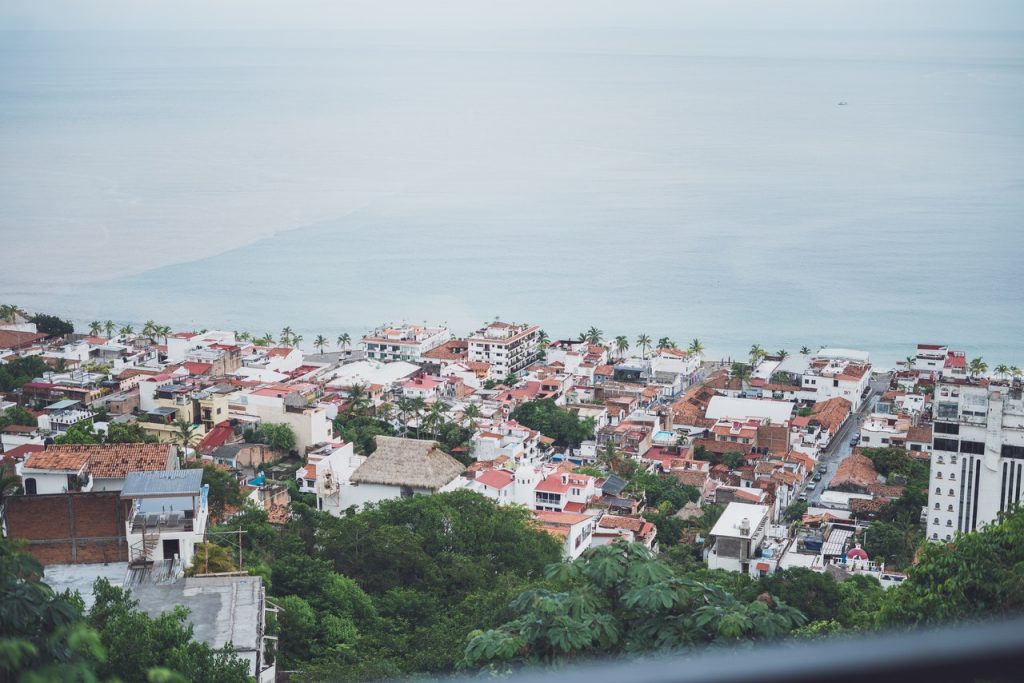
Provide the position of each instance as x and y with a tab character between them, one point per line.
843	189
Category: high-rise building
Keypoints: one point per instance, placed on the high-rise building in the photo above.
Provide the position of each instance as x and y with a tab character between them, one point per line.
508	348
977	462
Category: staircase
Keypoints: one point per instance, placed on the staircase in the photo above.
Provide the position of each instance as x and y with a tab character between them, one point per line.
142	552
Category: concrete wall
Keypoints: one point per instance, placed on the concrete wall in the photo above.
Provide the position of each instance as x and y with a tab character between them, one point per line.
70	528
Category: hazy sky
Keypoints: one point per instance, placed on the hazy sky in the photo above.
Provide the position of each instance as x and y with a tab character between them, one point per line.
536	14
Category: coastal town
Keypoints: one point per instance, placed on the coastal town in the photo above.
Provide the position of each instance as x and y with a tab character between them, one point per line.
118	445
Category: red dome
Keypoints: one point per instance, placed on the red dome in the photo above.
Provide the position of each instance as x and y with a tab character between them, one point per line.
856	554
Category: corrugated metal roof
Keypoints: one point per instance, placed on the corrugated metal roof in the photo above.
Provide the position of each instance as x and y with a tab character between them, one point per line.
162	484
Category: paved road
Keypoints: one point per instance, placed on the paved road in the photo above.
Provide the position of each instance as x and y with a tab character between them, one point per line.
840	447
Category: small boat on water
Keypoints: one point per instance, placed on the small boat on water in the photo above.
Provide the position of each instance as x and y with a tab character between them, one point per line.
842	104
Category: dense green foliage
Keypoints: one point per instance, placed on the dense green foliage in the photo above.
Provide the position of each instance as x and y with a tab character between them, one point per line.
621	599
562	425
897	531
279	436
981	574
51	325
17	415
117	432
361	430
394	589
21	370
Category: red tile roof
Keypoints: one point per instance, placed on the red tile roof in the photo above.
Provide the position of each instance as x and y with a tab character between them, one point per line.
497	479
105	461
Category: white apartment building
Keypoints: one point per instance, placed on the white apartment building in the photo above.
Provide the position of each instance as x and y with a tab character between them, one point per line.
736	537
507	348
977	465
407	342
838	372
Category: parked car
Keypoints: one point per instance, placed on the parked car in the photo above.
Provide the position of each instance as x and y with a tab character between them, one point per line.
823	468
854	441
802	498
817	476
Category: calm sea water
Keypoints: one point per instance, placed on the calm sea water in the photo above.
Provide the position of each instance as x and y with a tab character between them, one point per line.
678	185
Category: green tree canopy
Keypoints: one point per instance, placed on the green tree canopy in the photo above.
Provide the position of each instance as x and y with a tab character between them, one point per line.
562	425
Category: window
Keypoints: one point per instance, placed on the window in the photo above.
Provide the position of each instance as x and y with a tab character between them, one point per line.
972	447
938	491
946	428
938	475
935	536
936	506
946	445
30	486
1012	451
950	509
951	492
952	459
936	520
949	522
952	476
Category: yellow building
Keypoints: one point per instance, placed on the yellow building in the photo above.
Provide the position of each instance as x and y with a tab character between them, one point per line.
177	402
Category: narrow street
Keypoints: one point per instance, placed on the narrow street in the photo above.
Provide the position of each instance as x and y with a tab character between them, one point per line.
839	449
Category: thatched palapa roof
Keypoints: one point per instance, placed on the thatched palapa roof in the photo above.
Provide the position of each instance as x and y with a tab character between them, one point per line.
408	462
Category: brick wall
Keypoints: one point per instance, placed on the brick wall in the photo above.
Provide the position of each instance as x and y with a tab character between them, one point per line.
70	528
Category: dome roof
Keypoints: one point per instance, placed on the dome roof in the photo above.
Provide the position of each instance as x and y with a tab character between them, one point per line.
856	554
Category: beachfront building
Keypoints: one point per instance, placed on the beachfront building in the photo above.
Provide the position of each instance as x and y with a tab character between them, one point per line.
839	372
406	342
977	461
508	348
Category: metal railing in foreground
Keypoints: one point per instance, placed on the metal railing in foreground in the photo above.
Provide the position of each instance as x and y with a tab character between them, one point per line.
989	651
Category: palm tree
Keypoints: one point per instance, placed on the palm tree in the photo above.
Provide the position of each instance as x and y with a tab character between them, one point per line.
418	406
8	313
741	371
1015	371
265	340
126	330
782	354
385	411
95	327
756	354
666	343
149	330
610	457
1002	370
9	486
469	415
359	399
164	331
296	340
804	351
696	348
406	407
594	335
320	342
644	342
244	336
184	437
435	417
109	328
542	337
344	341
909	361
977	366
621	345
286	336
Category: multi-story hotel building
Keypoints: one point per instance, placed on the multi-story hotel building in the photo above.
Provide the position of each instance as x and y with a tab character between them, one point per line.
407	343
977	465
506	347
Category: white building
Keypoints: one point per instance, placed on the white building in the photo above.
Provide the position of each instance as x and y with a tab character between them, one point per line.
880	431
168	514
977	462
507	348
574	528
406	343
736	536
178	345
724	407
839	372
91	467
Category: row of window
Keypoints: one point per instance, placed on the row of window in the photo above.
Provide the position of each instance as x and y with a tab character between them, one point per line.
938	492
949	522
952	476
971	447
950	509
